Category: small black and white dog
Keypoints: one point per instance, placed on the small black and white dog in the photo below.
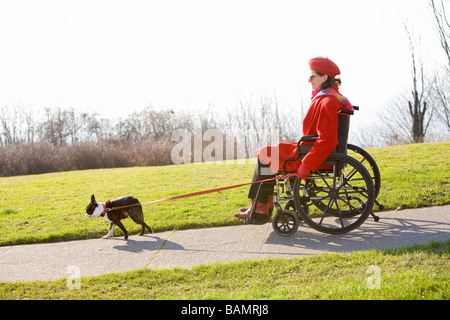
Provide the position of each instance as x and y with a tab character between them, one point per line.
99	209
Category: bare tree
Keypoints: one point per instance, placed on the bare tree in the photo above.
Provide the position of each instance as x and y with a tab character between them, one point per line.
8	127
409	116
16	125
29	122
443	28
418	106
441	84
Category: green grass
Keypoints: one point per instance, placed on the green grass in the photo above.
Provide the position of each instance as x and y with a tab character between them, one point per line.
415	272
50	207
414	175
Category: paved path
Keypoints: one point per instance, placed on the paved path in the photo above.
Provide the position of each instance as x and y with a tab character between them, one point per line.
192	247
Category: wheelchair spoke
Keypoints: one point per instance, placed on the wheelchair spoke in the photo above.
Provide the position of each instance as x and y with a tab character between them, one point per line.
334	180
351	206
323	179
325	211
351	174
340	216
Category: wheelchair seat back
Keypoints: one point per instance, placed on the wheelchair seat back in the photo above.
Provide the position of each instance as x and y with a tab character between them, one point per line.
343	129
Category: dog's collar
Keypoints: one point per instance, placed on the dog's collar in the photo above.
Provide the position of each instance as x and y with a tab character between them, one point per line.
105	210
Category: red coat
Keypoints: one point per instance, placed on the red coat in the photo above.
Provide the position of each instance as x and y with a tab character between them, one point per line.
321	120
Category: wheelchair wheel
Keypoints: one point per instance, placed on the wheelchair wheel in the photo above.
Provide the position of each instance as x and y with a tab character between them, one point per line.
343	195
290	205
366	159
285	223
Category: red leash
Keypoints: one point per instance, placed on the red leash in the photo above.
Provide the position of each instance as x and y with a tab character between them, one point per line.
193	194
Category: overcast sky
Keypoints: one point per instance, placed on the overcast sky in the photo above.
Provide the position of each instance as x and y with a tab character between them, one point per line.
115	57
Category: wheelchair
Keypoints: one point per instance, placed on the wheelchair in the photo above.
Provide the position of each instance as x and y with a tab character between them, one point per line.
336	198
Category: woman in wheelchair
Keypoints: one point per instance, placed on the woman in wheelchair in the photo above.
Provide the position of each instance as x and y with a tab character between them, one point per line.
321	120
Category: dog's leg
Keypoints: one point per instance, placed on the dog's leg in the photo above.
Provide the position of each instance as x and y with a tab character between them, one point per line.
138	217
144	225
143	230
111	231
149	229
121	226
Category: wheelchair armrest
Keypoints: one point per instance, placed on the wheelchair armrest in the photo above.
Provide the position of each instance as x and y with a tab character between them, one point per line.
308	138
304	138
291	159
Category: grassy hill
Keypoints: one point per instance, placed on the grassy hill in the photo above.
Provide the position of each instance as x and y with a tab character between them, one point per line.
50	207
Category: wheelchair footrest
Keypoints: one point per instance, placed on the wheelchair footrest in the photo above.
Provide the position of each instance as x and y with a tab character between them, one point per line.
259	218
255	221
277	206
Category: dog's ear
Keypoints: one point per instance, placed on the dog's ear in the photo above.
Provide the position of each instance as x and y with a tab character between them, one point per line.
93	199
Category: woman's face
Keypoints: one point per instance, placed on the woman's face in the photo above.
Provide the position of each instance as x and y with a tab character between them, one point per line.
316	79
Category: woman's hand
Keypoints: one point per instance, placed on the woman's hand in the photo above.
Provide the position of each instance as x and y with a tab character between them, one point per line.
303	172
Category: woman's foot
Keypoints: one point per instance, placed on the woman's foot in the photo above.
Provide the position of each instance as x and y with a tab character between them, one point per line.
245	212
261	208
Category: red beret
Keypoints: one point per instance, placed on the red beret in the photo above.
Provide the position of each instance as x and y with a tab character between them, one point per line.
325	66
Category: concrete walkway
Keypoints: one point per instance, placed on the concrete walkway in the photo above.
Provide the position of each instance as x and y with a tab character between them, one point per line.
188	248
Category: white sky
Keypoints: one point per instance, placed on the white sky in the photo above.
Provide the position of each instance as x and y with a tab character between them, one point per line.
115	57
